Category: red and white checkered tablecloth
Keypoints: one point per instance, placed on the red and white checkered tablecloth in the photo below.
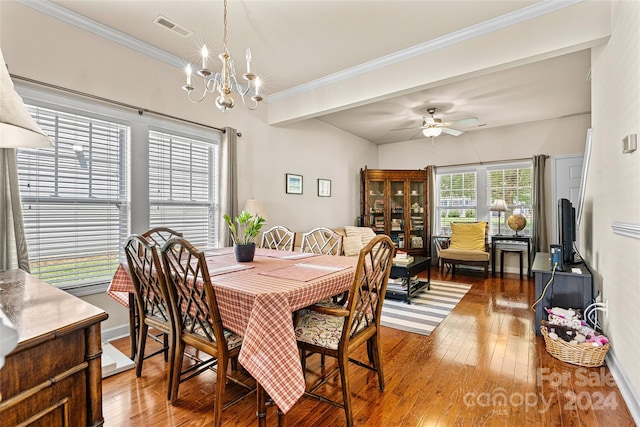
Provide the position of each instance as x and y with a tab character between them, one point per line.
259	307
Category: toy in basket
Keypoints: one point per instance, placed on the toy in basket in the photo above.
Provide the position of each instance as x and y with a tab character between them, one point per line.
571	340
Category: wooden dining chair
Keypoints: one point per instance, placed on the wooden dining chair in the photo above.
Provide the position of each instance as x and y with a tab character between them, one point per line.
197	320
160	235
339	331
322	240
278	237
157	236
151	298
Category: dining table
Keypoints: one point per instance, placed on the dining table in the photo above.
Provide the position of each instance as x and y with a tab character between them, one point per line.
256	301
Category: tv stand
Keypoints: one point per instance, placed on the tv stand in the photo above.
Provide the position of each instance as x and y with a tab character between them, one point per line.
568	289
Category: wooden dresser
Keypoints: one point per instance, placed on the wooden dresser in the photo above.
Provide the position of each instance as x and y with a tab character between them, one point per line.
53	376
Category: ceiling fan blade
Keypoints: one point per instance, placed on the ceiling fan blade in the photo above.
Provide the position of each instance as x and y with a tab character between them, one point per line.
452	132
468	120
412	127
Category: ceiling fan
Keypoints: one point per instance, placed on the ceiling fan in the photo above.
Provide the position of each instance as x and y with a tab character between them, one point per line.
433	126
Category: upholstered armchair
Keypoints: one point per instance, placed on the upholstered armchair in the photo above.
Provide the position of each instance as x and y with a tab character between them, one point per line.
468	245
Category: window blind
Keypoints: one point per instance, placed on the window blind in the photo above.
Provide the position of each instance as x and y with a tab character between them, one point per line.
183	186
74	197
513	185
456	200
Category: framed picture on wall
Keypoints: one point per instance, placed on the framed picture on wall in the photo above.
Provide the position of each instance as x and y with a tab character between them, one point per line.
293	183
324	187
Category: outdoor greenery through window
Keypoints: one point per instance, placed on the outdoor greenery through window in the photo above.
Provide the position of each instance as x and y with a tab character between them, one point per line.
183	186
514	186
456	199
74	197
464	194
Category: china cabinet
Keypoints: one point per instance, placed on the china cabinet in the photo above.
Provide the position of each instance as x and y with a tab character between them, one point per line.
396	203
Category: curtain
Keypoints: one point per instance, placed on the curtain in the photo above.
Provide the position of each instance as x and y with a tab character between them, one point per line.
539	226
228	183
13	241
431	199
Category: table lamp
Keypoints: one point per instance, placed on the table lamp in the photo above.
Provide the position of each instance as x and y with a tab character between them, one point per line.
499	206
255	208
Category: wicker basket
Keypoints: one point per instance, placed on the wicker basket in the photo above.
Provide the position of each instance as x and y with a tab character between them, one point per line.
575	354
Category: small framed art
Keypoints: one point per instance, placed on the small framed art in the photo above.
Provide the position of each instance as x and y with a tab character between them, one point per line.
324	188
293	183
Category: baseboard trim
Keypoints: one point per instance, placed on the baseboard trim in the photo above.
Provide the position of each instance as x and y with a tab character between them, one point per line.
115	333
626	389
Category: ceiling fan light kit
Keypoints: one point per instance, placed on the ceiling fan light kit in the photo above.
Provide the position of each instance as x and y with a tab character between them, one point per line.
433	126
432	131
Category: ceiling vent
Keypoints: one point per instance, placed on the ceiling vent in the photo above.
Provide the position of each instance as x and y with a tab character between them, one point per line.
170	25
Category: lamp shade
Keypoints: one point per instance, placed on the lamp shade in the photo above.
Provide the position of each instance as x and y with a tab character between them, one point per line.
255	208
17	127
499	205
431	131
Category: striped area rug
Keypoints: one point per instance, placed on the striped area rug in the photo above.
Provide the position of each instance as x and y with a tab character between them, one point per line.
427	309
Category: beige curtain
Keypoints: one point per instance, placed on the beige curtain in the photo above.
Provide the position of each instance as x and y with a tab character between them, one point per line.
431	199
13	243
539	226
228	183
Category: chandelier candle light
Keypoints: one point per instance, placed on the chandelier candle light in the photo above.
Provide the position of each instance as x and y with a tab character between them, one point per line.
225	82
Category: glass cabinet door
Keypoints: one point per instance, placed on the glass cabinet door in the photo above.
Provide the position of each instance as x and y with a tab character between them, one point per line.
397	198
376	206
417	237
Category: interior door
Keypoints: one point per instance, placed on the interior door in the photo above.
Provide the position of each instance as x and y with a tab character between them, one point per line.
567	173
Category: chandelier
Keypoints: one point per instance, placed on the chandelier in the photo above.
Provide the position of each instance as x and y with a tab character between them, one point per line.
225	82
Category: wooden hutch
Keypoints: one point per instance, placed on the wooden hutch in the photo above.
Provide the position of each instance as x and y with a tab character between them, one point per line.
396	203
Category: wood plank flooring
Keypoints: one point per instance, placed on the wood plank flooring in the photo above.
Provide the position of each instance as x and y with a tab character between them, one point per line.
482	366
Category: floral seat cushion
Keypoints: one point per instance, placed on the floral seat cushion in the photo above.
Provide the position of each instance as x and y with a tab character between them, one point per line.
319	329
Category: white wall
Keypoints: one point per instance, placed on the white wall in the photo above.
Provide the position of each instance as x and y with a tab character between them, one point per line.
613	186
42	48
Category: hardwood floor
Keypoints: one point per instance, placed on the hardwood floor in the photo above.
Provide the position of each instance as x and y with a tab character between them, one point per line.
482	366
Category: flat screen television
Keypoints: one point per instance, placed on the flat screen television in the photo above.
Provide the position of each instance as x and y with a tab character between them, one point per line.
566	229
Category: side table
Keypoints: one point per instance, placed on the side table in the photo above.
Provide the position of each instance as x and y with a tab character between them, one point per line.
496	240
406	272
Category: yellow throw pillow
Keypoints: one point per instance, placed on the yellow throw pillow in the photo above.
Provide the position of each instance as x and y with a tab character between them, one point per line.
468	236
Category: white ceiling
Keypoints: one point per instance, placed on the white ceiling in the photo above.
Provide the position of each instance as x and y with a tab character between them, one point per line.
296	42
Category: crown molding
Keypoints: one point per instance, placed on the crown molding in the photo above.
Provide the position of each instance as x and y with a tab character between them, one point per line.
538	9
56	11
494	24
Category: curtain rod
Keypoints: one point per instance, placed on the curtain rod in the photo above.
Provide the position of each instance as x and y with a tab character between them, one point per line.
491	162
111	101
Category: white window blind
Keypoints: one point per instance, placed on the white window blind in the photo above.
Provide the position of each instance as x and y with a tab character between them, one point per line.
456	199
513	185
74	197
183	186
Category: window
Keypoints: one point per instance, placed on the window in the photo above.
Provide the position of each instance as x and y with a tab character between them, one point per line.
513	185
456	199
82	198
74	197
183	187
466	193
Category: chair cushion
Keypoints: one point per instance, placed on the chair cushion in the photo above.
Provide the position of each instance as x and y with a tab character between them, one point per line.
464	255
233	340
365	233
468	236
352	245
319	329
